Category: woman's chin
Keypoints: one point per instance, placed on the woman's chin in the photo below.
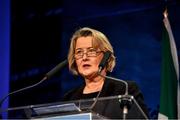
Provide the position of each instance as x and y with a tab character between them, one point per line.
88	74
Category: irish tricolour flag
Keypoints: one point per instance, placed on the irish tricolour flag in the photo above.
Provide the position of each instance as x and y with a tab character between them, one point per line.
169	96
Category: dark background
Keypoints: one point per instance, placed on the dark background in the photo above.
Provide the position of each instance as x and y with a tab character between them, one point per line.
41	32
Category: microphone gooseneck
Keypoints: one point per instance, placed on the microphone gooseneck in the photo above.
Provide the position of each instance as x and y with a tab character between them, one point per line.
116	79
25	88
125	101
48	75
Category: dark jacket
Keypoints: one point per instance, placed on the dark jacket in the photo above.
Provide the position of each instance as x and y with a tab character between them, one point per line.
111	108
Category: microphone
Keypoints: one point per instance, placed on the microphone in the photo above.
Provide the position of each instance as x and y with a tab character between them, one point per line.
125	100
101	66
48	75
56	69
104	61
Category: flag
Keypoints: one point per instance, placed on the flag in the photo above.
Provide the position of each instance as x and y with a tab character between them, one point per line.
170	75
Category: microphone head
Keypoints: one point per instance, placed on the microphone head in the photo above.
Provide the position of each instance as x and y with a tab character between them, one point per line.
56	69
104	60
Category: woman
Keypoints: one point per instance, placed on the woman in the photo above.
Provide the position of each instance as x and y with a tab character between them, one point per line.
86	51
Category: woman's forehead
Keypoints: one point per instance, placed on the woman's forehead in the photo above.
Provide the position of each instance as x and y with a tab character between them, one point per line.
84	42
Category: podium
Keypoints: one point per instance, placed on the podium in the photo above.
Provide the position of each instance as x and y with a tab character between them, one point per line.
85	109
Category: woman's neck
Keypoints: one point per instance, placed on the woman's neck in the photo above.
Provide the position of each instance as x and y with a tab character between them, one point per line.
94	84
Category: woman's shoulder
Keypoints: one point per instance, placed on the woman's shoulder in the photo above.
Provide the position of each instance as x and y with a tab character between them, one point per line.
120	86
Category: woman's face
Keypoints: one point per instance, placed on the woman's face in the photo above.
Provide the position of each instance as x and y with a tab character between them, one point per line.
89	61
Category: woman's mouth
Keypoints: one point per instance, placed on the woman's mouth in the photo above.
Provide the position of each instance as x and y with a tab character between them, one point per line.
86	66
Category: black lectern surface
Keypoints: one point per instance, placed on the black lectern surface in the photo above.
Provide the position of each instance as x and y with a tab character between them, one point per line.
104	108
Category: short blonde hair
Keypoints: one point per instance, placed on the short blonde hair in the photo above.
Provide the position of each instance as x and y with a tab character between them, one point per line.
99	41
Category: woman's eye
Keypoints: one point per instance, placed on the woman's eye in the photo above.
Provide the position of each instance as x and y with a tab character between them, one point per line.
92	50
78	52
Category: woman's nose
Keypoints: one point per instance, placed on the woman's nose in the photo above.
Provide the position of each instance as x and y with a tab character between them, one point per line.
84	56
